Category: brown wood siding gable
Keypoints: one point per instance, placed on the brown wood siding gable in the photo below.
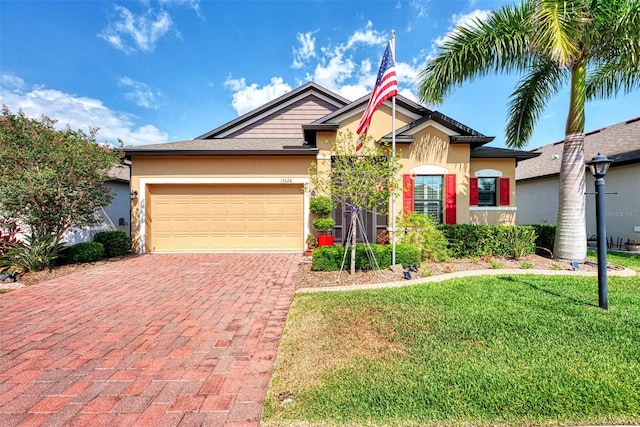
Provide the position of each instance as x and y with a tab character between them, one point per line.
287	123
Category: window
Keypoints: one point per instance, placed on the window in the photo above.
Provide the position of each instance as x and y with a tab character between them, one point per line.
486	191
489	191
434	195
427	196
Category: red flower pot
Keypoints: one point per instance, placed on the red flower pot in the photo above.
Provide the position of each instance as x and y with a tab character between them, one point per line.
325	240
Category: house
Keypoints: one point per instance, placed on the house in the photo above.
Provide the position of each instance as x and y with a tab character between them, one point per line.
240	186
115	216
537	181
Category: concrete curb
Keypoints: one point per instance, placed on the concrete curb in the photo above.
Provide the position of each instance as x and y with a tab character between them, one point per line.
624	272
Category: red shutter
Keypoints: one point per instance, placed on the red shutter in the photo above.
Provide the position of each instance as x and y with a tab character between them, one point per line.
473	191
450	203
505	193
407	194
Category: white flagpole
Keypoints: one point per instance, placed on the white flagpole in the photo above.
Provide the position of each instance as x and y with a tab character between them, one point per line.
393	153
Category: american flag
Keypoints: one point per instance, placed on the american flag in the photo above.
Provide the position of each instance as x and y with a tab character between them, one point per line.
386	87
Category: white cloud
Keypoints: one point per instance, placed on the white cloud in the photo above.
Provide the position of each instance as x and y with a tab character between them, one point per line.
368	37
79	113
130	32
11	81
341	68
306	51
468	20
248	97
193	4
141	94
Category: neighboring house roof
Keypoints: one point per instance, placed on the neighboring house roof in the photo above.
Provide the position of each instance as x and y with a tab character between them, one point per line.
120	173
620	142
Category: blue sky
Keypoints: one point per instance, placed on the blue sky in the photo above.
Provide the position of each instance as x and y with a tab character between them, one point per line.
148	71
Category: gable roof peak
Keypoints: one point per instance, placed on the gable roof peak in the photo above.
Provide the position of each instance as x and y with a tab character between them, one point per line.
308	89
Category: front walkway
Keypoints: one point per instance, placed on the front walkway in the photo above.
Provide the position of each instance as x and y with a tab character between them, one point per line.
156	340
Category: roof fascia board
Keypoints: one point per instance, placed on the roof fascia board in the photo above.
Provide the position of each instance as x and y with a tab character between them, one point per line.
431	122
217	153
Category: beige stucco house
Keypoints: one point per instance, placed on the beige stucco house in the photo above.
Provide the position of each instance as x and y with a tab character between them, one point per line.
240	186
537	181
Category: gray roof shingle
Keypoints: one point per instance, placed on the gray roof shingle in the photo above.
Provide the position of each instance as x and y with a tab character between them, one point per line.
620	142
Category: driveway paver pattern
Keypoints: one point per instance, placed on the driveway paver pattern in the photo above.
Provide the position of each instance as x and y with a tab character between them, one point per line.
154	340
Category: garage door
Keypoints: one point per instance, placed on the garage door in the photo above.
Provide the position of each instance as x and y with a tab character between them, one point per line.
191	218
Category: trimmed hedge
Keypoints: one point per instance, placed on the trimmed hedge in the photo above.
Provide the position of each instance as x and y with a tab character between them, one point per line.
116	242
466	240
329	258
546	236
85	252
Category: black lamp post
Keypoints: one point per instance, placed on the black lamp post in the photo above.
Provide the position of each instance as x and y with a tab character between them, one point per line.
599	166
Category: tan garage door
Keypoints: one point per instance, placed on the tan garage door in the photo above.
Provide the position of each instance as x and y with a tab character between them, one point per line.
192	218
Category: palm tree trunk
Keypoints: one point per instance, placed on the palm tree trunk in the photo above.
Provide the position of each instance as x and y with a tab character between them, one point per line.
571	233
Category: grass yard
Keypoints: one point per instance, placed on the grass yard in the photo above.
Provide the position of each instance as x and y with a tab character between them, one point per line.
508	350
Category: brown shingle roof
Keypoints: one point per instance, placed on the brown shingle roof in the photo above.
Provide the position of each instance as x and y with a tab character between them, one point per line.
620	142
236	146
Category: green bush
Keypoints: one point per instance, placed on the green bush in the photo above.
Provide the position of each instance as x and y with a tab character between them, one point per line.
407	254
422	232
381	254
32	254
115	243
471	241
329	258
521	241
545	237
320	205
323	224
85	252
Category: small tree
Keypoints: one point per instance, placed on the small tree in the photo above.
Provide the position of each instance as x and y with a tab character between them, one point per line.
52	179
363	179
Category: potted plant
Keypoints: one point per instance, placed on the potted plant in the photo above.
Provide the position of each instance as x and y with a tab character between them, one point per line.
632	245
322	207
312	243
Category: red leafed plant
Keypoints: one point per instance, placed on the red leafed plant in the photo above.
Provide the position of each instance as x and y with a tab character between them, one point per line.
8	231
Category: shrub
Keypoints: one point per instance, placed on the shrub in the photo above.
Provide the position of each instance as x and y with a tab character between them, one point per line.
320	205
407	254
85	252
545	237
115	243
330	258
8	231
327	258
469	241
422	232
323	224
32	254
521	240
380	253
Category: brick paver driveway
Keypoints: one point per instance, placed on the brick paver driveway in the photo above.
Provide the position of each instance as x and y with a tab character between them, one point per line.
156	340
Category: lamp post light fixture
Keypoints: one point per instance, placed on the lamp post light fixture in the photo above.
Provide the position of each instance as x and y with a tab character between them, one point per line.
599	166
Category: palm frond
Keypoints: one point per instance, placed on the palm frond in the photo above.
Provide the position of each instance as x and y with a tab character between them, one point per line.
500	43
558	29
528	100
610	79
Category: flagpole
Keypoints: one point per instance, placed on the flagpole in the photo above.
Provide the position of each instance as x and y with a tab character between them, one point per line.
393	155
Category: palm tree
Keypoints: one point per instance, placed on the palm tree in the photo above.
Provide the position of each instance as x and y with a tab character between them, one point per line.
593	45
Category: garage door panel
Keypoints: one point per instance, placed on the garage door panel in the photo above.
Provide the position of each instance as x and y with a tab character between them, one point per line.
225	217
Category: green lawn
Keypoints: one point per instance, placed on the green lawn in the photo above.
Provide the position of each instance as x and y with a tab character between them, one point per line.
509	350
